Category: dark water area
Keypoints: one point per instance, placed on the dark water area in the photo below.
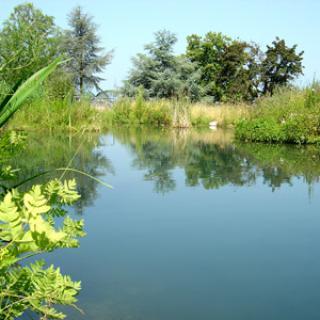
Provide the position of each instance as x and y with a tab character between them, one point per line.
197	226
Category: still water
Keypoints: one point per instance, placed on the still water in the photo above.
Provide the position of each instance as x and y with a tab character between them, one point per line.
196	227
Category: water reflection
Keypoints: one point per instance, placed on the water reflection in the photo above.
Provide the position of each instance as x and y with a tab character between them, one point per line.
208	158
212	159
45	152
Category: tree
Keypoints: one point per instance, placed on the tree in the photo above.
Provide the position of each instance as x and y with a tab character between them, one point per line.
226	65
237	70
207	52
155	71
239	77
160	72
81	44
28	42
189	75
280	65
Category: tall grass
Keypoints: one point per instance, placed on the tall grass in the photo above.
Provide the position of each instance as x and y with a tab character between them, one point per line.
46	113
139	112
291	115
173	113
226	115
56	114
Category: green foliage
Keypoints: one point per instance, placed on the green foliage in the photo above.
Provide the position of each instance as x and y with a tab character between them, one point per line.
228	67
28	228
200	120
260	130
139	109
31	157
233	70
28	42
9	106
312	96
208	54
159	114
81	44
215	67
173	113
80	116
280	65
141	112
59	115
36	288
59	86
239	75
161	73
289	116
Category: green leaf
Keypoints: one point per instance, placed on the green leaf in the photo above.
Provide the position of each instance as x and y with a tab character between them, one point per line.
25	90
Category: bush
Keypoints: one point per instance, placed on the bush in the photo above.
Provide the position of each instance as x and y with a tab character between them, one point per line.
290	116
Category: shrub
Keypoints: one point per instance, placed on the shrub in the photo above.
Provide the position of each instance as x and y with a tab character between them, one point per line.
290	116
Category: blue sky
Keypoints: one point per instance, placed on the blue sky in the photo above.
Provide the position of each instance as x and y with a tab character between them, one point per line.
126	26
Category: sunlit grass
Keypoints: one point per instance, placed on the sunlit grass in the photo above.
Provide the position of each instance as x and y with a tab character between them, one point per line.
225	115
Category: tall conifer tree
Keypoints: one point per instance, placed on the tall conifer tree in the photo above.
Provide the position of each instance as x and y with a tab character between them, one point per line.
82	46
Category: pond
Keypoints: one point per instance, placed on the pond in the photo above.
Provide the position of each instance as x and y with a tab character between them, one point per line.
196	227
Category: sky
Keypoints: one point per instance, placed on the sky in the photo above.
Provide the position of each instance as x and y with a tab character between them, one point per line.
127	25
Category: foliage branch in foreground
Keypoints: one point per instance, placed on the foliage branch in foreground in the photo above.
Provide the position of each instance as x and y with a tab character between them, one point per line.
28	228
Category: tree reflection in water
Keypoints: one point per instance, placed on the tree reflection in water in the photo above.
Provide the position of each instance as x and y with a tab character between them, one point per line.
213	159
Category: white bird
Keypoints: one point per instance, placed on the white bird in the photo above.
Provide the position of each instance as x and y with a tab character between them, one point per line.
213	125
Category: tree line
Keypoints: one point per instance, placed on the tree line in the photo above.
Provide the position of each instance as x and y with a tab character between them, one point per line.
214	67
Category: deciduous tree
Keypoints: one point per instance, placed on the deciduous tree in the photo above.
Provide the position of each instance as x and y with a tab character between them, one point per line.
225	65
28	42
280	65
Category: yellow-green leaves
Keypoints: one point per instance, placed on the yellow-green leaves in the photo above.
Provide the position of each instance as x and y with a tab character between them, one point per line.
69	192
37	288
11	227
35	202
27	227
27	222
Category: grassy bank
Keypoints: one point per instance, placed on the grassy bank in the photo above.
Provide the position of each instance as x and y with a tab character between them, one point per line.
289	116
175	114
55	114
